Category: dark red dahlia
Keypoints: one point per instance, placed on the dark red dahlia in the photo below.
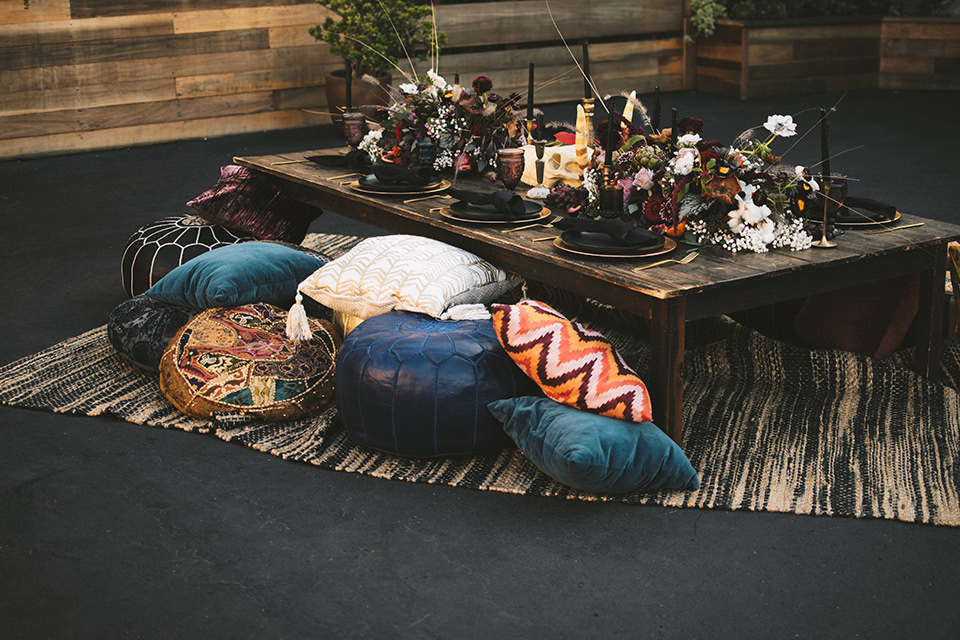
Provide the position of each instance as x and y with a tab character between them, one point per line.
656	209
689	125
479	129
482	84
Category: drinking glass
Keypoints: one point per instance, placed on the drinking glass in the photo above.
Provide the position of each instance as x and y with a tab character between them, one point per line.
510	167
354	128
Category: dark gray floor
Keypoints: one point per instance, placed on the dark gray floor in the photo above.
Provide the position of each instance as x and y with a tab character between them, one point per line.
111	530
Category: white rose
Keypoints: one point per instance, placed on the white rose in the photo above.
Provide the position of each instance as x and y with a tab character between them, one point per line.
685	160
767	230
644	179
734	221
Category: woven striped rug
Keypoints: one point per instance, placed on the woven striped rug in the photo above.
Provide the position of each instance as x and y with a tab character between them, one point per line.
769	426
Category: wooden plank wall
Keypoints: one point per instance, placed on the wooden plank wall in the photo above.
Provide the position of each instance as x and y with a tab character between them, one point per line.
920	54
90	74
833	57
79	75
762	60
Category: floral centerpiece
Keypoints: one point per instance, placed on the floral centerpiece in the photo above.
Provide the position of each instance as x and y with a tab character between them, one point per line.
467	124
741	197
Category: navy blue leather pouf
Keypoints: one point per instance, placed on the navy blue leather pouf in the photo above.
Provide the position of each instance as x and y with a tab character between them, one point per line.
414	386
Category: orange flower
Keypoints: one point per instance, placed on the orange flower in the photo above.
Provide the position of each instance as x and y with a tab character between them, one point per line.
677	230
722	185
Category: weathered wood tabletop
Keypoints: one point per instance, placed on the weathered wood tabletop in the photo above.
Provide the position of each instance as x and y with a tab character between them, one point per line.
717	282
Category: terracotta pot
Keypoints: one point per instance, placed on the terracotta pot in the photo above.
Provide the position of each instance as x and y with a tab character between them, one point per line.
366	95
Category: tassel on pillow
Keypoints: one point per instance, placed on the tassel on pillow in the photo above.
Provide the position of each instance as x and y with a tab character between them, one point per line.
298	328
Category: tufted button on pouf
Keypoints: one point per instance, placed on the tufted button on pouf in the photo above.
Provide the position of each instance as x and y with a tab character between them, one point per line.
414	386
160	247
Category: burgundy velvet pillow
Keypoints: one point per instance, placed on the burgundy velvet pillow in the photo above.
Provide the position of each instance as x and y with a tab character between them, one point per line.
248	201
870	319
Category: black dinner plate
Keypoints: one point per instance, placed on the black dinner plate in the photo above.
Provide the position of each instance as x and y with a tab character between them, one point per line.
868	219
373	184
467	211
597	242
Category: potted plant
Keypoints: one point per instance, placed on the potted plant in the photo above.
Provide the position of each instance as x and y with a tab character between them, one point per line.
374	35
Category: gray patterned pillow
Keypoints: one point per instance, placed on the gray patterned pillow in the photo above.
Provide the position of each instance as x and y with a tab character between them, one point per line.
141	328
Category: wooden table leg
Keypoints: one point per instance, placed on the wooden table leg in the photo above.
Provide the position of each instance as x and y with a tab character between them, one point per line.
930	316
667	334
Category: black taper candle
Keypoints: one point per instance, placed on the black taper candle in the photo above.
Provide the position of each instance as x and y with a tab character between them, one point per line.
656	110
530	94
456	78
349	86
587	91
673	128
611	138
824	144
539	129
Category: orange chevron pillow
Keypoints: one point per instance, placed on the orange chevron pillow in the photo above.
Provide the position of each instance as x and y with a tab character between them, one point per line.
571	363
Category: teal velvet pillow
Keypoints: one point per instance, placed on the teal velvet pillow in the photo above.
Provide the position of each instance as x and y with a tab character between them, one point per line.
591	452
237	274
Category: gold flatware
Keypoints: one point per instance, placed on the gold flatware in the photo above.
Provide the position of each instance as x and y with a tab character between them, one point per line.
684	260
346	175
531	226
903	226
273	164
544	238
426	198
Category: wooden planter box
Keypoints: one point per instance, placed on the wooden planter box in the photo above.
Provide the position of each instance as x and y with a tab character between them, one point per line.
761	59
753	59
920	54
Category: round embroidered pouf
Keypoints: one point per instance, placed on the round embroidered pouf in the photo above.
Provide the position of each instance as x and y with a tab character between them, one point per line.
160	247
414	386
238	361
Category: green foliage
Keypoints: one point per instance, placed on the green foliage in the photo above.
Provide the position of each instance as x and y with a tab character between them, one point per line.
704	13
375	35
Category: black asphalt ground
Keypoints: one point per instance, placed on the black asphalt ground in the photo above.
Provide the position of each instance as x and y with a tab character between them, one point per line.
112	530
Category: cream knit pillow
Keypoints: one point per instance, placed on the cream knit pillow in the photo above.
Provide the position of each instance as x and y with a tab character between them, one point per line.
404	272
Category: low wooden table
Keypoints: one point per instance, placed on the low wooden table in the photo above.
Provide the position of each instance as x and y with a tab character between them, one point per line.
666	297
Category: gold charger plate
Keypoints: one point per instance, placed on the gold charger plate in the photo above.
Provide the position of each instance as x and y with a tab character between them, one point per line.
447	212
869	223
865	223
443	186
669	244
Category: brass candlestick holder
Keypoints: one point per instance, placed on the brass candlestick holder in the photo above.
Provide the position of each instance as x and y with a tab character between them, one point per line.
588	122
824	243
611	195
